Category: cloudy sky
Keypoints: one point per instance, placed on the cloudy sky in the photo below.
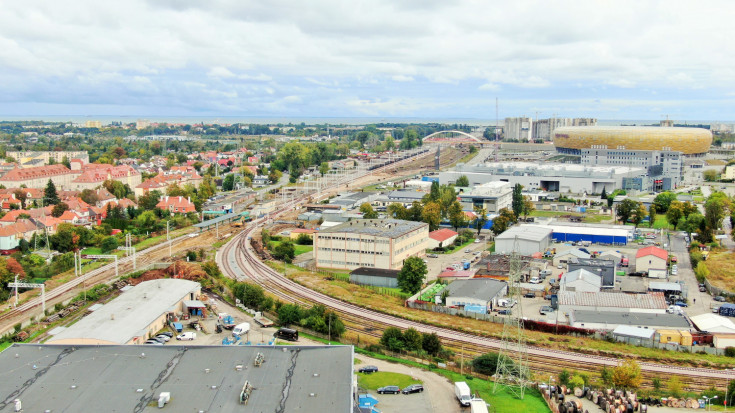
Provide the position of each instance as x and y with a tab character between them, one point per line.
374	58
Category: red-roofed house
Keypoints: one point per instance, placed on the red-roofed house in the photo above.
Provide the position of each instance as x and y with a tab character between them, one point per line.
48	222
11	235
441	238
176	204
651	258
38	176
69	218
12	216
93	175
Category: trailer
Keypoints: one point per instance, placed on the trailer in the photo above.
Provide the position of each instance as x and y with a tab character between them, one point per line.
227	321
262	321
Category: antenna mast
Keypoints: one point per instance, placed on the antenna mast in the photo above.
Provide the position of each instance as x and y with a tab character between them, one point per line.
497	132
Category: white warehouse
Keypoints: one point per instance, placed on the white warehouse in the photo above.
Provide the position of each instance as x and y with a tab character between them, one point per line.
529	238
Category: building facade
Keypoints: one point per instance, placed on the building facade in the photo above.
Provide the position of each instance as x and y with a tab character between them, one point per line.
371	243
520	129
493	196
664	168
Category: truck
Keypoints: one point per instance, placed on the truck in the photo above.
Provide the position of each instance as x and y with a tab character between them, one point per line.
478	406
227	321
462	391
241	329
624	262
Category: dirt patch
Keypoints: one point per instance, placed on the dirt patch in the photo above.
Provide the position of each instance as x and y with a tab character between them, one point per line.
721	265
179	269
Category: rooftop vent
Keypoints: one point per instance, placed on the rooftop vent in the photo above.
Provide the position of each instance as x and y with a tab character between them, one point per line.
163	398
238	367
312	394
206	371
139	390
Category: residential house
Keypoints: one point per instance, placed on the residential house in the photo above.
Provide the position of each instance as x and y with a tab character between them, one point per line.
651	258
176	204
441	238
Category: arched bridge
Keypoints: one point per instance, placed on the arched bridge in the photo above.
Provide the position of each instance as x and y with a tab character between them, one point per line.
453	137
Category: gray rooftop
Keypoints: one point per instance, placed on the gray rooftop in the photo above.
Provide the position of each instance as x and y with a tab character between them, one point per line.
219	219
630	318
480	288
528	233
390	228
584	275
128	315
406	195
107	378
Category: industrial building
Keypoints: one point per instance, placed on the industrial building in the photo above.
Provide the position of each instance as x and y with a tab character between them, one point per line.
377	277
134	316
665	168
610	320
372	243
580	280
66	378
441	238
476	292
493	196
520	129
650	258
563	257
654	303
525	240
549	177
713	323
594	233
689	141
602	268
544	128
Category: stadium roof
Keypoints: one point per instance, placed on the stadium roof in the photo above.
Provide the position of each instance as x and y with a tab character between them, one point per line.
199	378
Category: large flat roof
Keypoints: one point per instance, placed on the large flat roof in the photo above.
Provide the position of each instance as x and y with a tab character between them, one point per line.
107	378
630	318
390	228
130	314
650	301
526	233
479	288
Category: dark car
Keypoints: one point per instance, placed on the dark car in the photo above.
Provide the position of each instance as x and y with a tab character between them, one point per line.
681	304
414	388
529	295
702	288
368	369
167	333
719	298
505	312
389	389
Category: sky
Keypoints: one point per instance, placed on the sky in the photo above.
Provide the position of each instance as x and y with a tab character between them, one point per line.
375	58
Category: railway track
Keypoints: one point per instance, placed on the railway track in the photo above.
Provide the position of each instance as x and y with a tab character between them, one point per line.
239	261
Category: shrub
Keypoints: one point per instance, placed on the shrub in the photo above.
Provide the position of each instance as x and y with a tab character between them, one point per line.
730	351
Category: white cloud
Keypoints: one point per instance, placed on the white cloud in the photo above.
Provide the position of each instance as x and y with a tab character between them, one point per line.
402	78
220	72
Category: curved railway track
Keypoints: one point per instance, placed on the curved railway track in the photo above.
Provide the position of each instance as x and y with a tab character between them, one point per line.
238	260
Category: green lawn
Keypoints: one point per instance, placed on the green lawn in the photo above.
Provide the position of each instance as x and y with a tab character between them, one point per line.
298	248
372	381
5	345
454	249
661	222
92	251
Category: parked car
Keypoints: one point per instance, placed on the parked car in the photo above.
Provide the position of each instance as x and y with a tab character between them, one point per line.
681	304
477	241
716	310
163	337
167	334
432	255
467	251
545	310
414	388
560	266
187	336
702	288
719	298
389	389
505	312
368	369
535	280
154	342
529	295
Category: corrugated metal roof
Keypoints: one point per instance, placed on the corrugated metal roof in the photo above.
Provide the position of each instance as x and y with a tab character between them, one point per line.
650	301
630	331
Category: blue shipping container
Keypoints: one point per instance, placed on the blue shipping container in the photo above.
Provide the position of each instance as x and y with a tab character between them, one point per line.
430	179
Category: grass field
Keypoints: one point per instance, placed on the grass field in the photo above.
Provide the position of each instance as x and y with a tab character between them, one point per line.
455	249
661	222
721	265
384	378
298	248
92	251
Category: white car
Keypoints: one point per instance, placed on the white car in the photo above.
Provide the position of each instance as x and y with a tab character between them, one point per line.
535	280
187	336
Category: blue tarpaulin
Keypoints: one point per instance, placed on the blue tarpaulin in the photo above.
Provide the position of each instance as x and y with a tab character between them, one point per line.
367	400
179	327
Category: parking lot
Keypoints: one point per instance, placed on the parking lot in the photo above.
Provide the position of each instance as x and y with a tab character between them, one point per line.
437	265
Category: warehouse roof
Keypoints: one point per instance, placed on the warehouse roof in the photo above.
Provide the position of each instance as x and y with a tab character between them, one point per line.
612	318
129	315
650	301
525	233
375	272
407	194
442	234
574	252
480	288
199	378
630	331
582	275
713	323
391	228
664	286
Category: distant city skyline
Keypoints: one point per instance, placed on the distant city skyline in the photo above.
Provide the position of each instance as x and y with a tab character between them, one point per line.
425	59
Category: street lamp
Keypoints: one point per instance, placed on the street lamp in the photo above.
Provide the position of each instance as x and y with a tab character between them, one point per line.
551	378
708	400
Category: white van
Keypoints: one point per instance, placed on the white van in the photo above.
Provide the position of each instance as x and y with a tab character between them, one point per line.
241	329
462	391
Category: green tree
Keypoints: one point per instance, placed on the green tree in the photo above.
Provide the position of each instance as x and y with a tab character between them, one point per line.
367	211
21	196
663	201
627	375
431	343
412	275
606	374
415	212
503	221
285	251
431	214
487	364
59	209
250	295
147	221
517	201
715	209
626	209
462	181
603	196
289	314
397	211
693	223
528	207
392	339
674	213
710	175
109	244
675	386
651	215
50	197
304	239
457	217
149	201
701	271
228	184
323	168
481	219
576	381
434	191
639	214
412	339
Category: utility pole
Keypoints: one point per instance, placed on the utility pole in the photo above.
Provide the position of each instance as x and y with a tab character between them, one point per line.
168	238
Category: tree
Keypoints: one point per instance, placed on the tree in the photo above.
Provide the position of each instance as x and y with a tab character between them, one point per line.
412	339
462	181
109	244
528	207
503	221
606	374
674	213
392	339
517	202
576	381
693	223
228	184
603	196
626	209
289	314
457	217
147	221
431	214
59	209
324	168
431	343
21	196
564	377
481	219
284	251
397	211
149	201
250	295
434	191
663	201
304	239
710	175
651	215
487	364
50	197
674	386
626	375
412	275
367	211
89	196
714	210
639	214
701	271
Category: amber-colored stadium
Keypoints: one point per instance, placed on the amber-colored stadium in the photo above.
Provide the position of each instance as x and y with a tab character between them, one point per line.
689	141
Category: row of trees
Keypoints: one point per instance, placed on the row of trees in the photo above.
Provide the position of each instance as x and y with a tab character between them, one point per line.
410	340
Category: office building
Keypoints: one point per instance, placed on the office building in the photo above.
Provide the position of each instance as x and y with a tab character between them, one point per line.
520	129
493	196
664	168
